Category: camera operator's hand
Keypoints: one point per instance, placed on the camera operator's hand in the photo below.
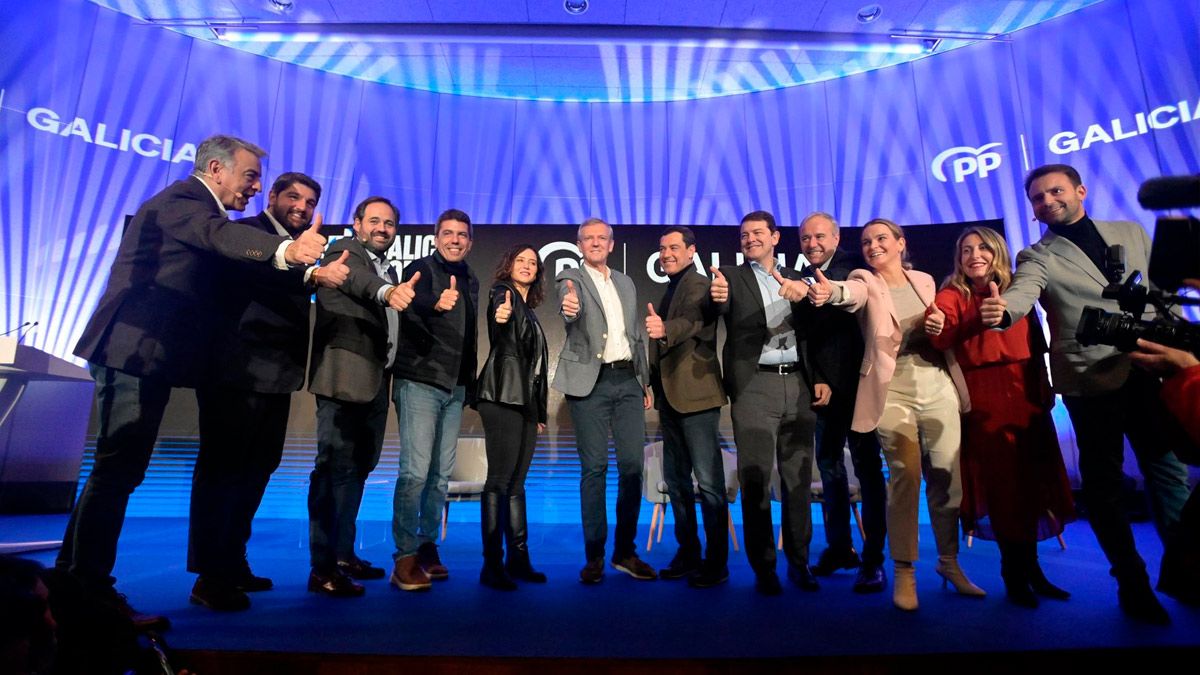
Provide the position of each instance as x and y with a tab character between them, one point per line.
1162	360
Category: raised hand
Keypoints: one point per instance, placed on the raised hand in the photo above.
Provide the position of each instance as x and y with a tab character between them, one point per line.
654	324
935	319
991	310
308	247
790	289
570	302
720	286
449	297
504	309
820	292
333	274
401	295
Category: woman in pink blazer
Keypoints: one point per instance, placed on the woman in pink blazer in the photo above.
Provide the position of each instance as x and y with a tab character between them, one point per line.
910	393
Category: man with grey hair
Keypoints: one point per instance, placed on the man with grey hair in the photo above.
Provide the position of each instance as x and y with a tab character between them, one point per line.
144	337
819	238
604	372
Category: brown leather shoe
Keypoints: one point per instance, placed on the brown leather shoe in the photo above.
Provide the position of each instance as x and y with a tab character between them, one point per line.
635	567
408	575
593	572
334	584
361	569
142	621
427	556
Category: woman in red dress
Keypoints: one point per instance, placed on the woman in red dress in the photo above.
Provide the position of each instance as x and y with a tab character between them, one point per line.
1015	487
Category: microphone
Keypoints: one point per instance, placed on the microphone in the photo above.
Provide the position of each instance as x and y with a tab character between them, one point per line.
1170	192
22	334
13	330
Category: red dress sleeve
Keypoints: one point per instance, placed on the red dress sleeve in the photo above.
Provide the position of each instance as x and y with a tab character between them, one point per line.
1181	393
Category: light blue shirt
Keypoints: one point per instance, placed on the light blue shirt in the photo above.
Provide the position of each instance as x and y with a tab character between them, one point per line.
382	265
780	346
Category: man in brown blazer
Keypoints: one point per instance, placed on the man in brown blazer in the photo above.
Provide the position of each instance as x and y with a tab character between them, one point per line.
353	344
686	376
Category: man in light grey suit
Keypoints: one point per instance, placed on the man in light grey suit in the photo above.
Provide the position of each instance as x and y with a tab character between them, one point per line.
1106	398
604	371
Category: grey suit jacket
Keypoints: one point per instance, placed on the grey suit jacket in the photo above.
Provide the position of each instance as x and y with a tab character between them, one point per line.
583	350
1060	274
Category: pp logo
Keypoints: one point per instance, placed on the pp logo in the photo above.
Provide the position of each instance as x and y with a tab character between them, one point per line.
972	161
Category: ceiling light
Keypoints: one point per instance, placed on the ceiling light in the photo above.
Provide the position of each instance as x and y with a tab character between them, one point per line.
576	7
868	14
282	6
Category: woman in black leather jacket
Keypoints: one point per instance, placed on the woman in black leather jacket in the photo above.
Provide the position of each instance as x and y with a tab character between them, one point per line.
511	400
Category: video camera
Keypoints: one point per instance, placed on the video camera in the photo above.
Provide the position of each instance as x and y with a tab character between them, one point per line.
1174	256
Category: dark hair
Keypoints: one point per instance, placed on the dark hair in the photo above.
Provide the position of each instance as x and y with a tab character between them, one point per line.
360	211
460	216
761	215
1065	169
290	178
537	290
689	237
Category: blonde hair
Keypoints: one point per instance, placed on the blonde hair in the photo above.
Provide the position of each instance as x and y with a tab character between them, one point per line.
897	233
1001	271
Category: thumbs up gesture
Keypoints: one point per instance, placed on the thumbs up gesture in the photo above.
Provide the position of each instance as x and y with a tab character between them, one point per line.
790	289
504	309
308	247
820	292
401	295
935	319
654	324
570	301
334	274
449	297
991	310
720	286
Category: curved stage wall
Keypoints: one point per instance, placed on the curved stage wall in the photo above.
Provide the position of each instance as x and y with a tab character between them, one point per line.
98	113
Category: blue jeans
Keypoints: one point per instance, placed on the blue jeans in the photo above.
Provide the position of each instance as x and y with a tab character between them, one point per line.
429	421
692	446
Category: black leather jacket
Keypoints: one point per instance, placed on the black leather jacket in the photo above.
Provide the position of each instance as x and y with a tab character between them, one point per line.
515	370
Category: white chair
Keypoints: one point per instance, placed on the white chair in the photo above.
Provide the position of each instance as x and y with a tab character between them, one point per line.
817	493
654	490
468	475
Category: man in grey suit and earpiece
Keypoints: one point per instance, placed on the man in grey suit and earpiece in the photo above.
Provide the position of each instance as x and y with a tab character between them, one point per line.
1107	399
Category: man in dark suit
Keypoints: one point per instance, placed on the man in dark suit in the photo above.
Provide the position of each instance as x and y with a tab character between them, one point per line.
686	378
354	345
259	360
770	378
604	373
1106	397
434	376
144	338
819	238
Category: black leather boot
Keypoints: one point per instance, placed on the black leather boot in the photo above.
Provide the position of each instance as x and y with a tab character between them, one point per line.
518	565
1014	569
492	505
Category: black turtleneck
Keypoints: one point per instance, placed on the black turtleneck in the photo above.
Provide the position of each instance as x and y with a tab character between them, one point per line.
1083	233
671	286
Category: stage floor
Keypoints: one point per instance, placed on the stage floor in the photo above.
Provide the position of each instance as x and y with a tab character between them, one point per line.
623	618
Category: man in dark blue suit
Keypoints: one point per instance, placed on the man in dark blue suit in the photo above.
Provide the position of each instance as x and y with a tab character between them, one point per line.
144	337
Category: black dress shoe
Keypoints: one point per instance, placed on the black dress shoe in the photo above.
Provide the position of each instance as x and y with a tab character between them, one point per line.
361	569
832	560
681	568
871	579
708	577
335	584
248	583
593	572
222	596
803	577
110	598
767	583
1139	602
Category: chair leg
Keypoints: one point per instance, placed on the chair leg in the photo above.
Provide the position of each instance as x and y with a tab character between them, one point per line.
445	515
779	544
1062	544
661	519
733	532
858	520
970	538
653	523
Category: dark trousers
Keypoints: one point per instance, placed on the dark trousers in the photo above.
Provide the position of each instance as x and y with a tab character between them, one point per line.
510	437
616	404
1101	423
349	441
241	443
691	445
773	422
130	410
833	432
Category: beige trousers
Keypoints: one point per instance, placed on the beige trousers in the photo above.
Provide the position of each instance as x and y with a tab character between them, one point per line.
920	433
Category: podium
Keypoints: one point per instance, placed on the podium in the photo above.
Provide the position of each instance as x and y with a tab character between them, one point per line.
45	406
